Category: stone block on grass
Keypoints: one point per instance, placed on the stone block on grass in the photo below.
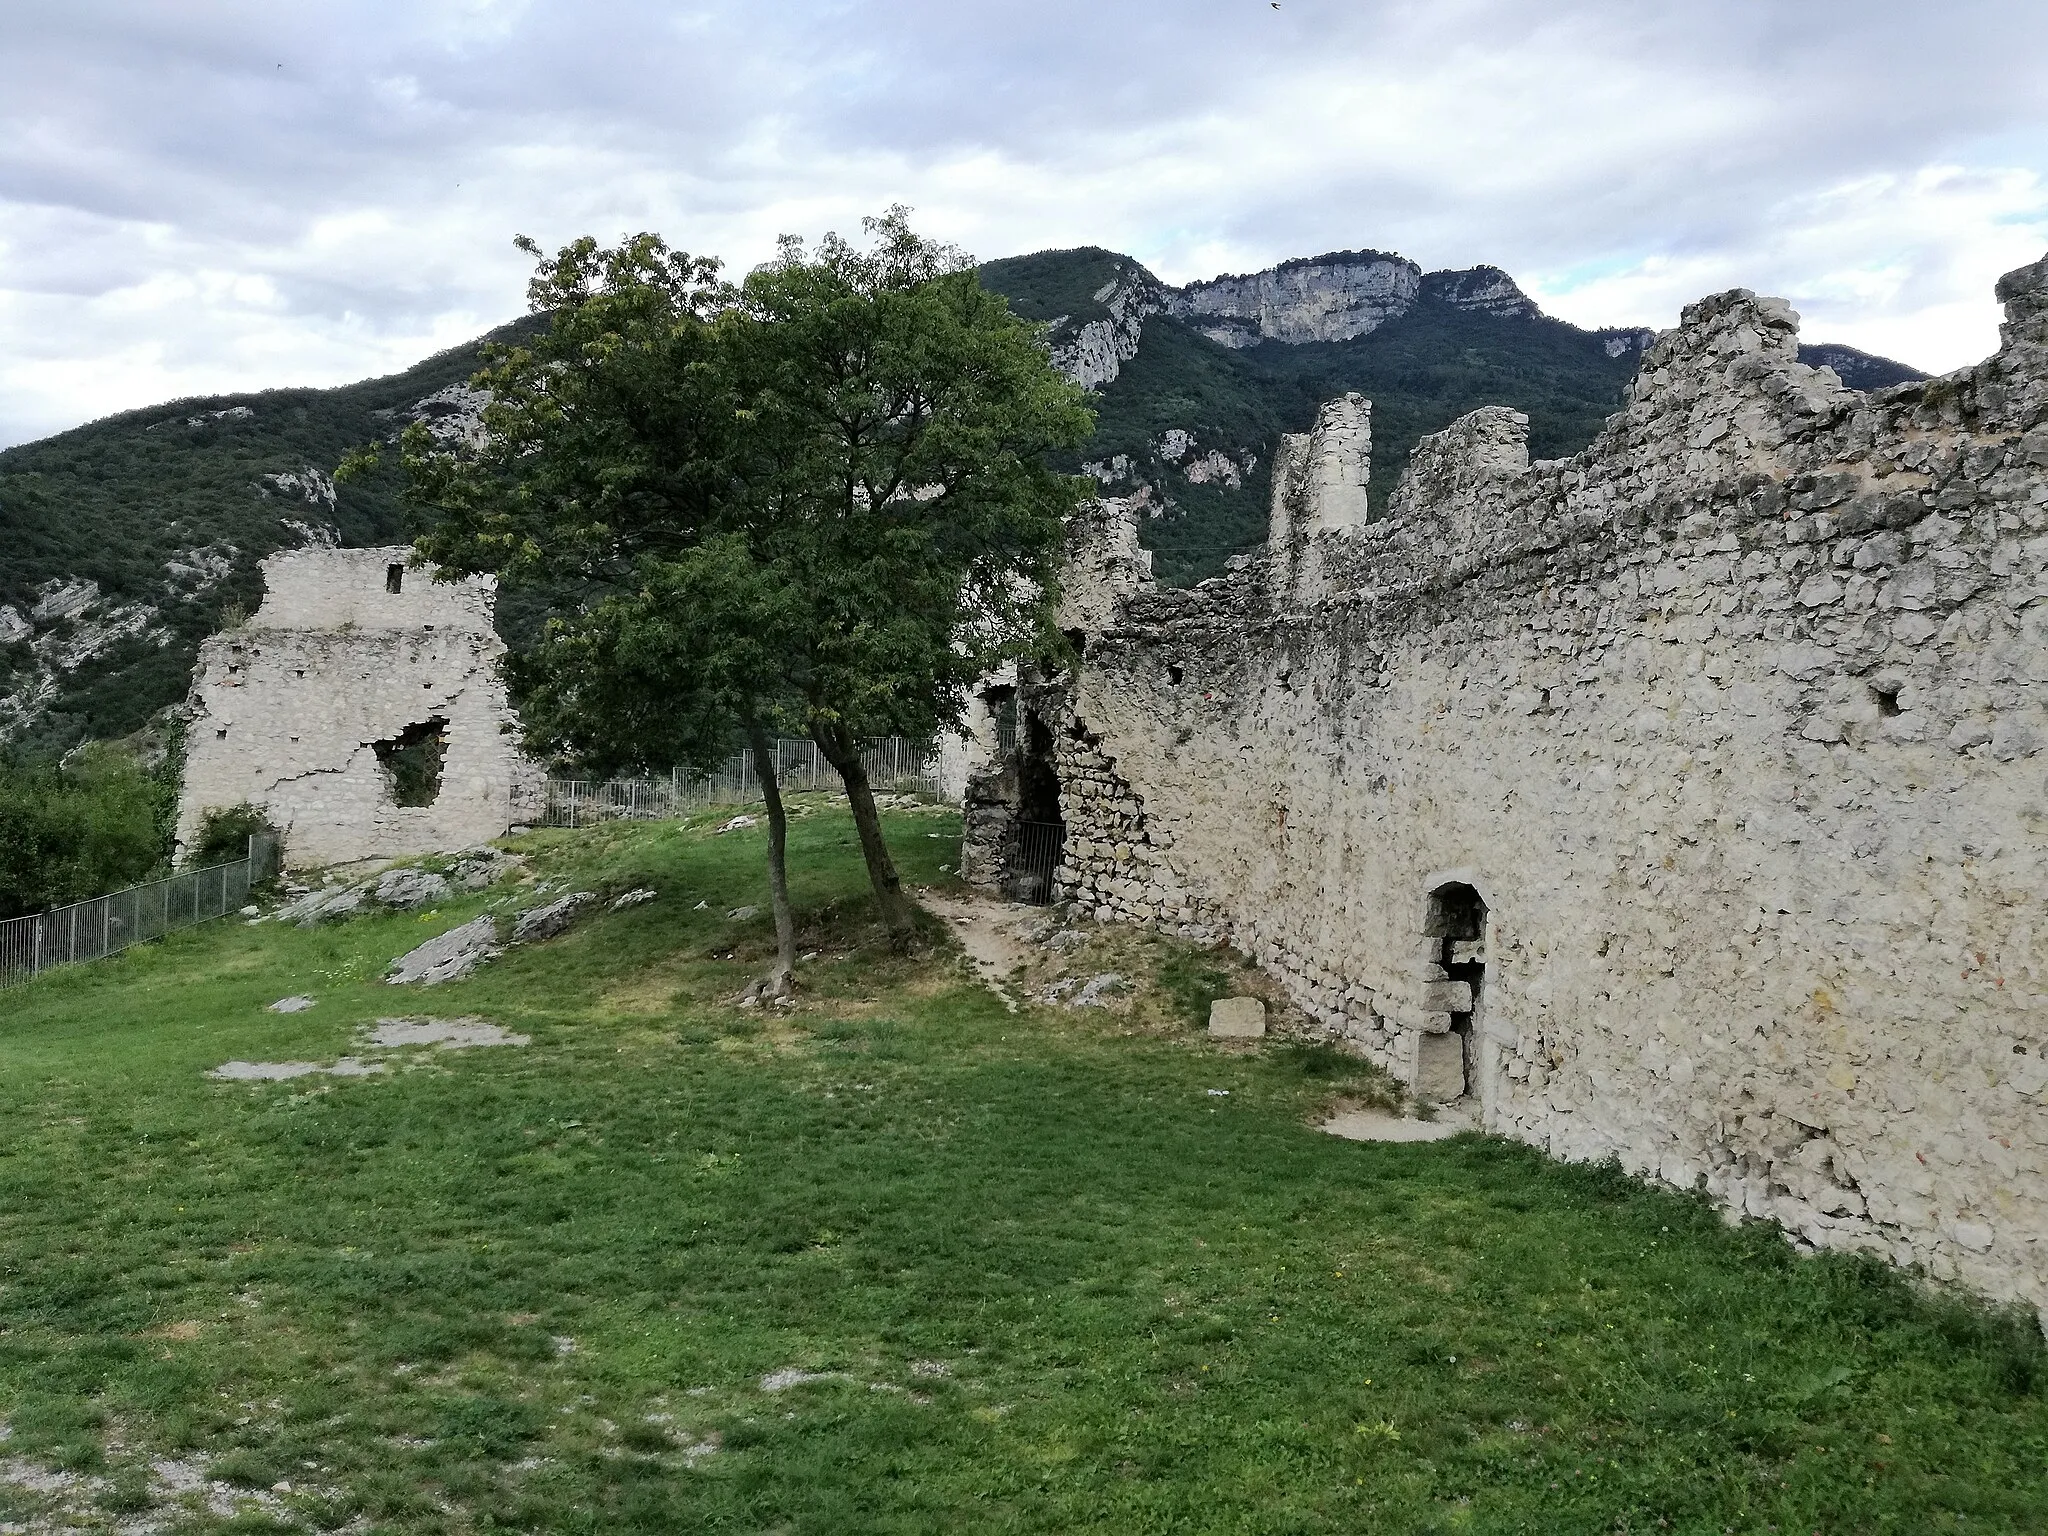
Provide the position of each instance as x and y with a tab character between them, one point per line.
1237	1018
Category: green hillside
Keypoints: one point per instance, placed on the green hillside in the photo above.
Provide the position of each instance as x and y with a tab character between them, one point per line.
168	510
1049	284
1422	371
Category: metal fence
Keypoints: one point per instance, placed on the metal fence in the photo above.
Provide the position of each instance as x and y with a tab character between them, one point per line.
105	925
894	765
1034	856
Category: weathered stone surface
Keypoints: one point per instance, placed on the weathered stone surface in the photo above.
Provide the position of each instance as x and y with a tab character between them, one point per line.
287	711
324	905
545	922
408	889
1439	1068
476	868
451	956
1732	727
1237	1018
1098	990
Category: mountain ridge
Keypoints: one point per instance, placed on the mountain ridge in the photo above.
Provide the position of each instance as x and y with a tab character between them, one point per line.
124	541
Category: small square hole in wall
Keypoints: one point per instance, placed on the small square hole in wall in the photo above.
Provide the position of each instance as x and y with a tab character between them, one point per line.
1887	697
300	674
221	734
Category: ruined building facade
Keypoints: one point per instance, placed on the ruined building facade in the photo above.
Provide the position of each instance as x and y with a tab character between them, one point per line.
1682	801
360	707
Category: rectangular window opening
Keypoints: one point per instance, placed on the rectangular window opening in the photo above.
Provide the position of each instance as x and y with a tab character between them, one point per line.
394	577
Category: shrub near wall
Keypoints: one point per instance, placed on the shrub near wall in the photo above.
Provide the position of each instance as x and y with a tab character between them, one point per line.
78	831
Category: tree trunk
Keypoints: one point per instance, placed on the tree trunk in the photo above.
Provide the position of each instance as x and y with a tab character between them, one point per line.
844	755
780	980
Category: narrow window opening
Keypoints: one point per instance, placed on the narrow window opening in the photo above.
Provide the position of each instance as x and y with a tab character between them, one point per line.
394	577
1887	696
1457	922
412	762
221	734
1174	673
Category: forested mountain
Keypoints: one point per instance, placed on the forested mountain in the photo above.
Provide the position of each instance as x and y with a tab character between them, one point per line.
1195	384
125	542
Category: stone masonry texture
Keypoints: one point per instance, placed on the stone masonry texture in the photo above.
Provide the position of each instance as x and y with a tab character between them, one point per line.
286	711
1683	801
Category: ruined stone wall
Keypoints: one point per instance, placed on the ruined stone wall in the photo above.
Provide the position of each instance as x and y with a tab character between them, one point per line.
288	710
1733	721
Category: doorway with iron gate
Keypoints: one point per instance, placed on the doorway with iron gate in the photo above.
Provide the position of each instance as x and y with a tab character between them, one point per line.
1039	834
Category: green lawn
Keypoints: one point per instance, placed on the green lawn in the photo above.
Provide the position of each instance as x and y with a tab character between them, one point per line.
1055	1271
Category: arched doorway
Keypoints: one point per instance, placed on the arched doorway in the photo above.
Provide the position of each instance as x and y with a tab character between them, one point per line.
1456	921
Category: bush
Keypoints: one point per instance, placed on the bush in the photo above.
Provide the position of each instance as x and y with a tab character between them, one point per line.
67	833
224	834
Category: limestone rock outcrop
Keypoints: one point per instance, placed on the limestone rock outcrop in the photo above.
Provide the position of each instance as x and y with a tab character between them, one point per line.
1336	297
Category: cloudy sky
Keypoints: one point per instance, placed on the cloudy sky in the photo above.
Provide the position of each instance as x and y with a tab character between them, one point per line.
199	196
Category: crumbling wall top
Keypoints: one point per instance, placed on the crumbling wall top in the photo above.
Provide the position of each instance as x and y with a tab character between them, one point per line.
369	589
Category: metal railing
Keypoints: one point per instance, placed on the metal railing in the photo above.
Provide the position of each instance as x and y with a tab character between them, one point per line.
1033	858
894	766
105	925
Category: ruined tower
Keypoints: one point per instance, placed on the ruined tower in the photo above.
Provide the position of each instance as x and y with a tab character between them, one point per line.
361	708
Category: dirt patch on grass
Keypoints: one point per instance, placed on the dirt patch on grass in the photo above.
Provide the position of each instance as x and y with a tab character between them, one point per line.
385	1035
284	1071
993	935
443	1034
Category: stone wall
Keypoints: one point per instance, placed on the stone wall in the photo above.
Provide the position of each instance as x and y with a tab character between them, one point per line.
351	650
1681	801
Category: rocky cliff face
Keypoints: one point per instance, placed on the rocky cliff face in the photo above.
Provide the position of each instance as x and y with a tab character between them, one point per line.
1324	298
1092	352
1335	297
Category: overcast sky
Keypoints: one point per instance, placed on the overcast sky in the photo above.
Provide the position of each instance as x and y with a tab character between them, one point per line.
199	196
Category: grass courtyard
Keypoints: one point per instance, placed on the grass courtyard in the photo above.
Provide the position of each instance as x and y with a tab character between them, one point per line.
898	1260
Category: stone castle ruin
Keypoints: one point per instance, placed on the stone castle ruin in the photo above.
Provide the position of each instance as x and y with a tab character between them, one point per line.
361	708
1682	801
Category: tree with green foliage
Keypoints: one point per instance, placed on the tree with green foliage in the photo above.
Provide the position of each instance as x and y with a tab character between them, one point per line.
90	827
899	421
814	501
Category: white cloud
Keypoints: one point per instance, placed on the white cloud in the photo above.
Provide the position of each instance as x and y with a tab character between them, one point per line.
1896	263
230	195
